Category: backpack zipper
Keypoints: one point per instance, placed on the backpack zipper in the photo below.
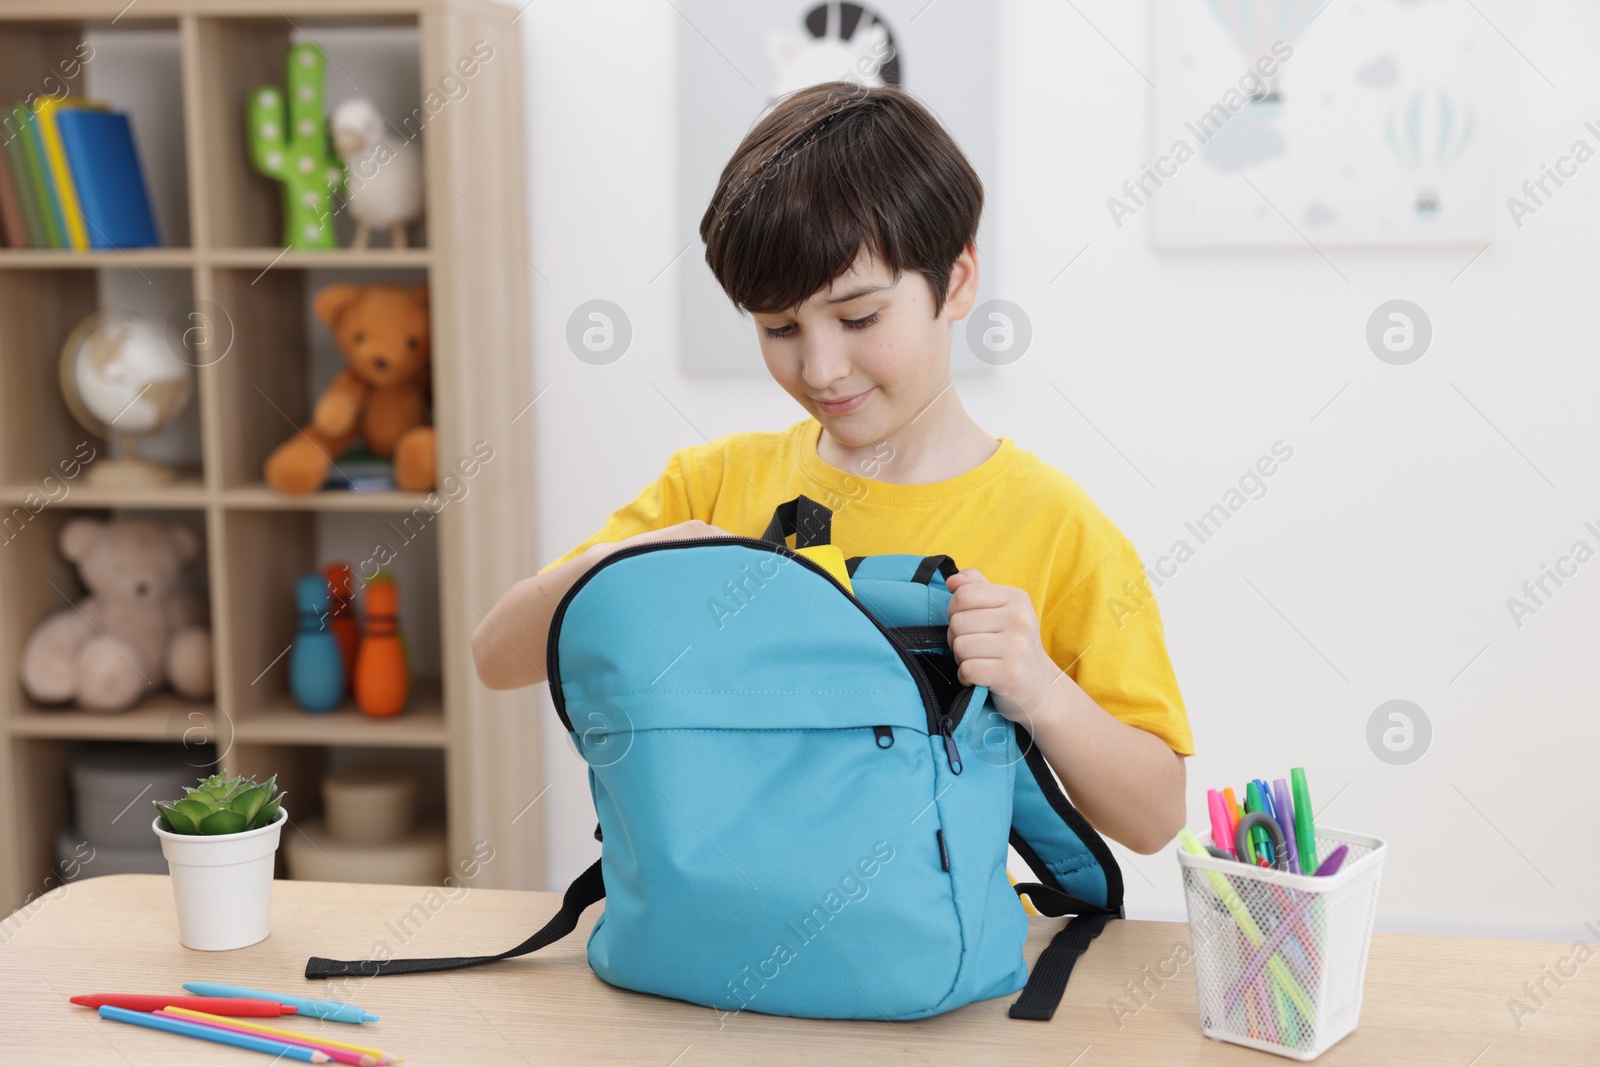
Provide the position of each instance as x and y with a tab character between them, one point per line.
924	686
947	727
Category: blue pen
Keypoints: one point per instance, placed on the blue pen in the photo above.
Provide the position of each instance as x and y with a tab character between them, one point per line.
333	1010
1267	800
1276	811
212	1033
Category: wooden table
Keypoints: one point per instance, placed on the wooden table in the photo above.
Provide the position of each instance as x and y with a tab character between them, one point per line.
1429	1000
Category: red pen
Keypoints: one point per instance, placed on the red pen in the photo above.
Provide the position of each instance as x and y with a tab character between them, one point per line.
248	1006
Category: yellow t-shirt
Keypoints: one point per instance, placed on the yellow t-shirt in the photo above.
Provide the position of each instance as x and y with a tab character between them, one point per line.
1013	517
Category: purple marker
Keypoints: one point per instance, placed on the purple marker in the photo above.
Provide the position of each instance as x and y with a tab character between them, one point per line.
1264	951
1285	806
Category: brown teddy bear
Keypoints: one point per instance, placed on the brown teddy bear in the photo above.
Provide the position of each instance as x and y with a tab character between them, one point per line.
132	632
382	395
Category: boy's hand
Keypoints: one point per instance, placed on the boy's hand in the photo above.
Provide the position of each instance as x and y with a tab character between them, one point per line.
994	633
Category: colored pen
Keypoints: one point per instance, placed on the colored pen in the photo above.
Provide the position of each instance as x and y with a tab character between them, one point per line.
317	1009
1267	804
1258	837
337	1055
298	1037
1241	915
152	1021
1330	866
1233	805
1221	831
1284	807
1305	828
248	1006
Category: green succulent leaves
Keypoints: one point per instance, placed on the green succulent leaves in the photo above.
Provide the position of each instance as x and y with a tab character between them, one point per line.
222	806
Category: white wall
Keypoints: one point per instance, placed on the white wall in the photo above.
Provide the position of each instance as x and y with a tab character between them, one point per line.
1379	562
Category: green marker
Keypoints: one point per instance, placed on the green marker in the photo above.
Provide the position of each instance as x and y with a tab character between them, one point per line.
1241	915
1258	836
1305	831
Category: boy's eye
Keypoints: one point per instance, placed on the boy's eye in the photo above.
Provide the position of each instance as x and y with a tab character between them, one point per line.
854	324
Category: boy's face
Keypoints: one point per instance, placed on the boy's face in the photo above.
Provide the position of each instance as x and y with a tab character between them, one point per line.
872	344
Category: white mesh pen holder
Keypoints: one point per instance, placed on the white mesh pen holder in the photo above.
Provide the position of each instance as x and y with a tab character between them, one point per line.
1279	958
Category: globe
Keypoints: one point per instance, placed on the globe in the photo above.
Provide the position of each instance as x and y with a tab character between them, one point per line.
121	381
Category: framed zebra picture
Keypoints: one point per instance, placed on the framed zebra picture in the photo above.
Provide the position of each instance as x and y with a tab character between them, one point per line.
737	58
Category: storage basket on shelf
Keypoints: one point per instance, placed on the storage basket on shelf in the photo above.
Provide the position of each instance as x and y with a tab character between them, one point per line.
1280	958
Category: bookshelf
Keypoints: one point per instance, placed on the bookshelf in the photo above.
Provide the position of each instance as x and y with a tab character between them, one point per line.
479	751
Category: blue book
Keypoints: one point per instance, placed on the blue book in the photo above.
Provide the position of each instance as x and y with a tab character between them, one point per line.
105	168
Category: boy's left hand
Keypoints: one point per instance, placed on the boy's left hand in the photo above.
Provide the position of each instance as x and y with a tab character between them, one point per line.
994	633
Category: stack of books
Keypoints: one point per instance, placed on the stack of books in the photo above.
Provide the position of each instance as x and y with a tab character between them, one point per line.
71	178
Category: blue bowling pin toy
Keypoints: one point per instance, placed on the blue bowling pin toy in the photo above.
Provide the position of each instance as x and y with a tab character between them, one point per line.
316	669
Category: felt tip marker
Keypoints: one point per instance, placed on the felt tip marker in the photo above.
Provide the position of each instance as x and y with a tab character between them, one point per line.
249	1007
332	1010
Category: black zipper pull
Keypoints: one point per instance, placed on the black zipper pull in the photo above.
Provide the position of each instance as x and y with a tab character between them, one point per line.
953	754
884	736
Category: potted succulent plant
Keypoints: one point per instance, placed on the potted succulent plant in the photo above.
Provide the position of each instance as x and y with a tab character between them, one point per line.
219	842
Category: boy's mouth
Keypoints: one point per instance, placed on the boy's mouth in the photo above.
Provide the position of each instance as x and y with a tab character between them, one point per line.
844	406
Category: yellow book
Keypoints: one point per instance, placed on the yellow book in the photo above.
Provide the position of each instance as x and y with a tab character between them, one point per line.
60	173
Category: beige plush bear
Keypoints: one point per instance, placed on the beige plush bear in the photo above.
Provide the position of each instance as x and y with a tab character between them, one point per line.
133	632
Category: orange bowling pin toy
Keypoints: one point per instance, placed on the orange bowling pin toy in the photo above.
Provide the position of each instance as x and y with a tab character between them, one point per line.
382	675
341	614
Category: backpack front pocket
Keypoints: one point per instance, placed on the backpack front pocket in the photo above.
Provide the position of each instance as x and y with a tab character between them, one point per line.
842	907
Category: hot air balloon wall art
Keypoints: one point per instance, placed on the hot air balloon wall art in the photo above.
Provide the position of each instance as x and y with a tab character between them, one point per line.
1255	26
1373	127
1428	133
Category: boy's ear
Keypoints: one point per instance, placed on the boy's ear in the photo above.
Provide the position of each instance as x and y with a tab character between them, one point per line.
963	291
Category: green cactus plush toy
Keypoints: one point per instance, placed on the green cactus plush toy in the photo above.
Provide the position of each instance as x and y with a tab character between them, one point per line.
289	142
220	806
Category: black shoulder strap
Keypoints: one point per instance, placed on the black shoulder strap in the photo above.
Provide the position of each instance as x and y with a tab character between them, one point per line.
587	888
1047	982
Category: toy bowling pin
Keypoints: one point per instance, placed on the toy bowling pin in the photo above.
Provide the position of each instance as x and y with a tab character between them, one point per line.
316	673
341	615
382	678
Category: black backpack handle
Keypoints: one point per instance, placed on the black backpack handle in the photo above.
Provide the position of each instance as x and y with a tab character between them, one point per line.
809	521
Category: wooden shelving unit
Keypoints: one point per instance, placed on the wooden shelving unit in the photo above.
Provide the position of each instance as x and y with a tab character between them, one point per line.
250	398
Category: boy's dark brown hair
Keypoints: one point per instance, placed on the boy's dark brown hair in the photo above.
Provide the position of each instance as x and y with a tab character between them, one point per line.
833	168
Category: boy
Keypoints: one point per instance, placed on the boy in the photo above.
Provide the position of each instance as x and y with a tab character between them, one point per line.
845	224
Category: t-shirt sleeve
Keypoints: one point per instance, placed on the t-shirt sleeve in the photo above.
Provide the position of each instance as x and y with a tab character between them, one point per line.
1105	631
664	502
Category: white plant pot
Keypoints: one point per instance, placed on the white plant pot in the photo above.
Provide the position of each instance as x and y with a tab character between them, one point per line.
222	884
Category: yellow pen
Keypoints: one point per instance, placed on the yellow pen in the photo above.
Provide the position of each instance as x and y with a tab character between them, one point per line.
1247	923
298	1035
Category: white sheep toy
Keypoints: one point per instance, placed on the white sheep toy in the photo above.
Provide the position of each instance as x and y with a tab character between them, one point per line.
384	184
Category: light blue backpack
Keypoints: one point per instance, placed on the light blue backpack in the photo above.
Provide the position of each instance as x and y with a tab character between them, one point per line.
802	811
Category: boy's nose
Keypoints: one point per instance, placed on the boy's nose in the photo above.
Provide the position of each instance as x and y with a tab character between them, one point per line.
821	366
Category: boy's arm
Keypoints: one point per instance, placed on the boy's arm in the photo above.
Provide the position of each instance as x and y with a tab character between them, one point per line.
510	644
1126	780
